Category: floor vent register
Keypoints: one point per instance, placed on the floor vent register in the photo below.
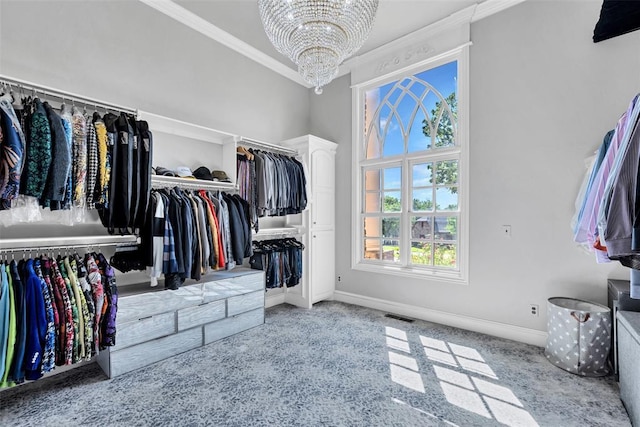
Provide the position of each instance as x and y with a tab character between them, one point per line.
395	316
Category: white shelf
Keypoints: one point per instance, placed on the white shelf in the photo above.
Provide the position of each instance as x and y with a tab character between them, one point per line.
161	181
278	232
64	242
158	123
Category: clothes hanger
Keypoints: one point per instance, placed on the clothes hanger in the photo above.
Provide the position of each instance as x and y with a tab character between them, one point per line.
242	150
5	93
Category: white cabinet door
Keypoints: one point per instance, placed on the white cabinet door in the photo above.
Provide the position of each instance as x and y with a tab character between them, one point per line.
322	273
322	171
323	210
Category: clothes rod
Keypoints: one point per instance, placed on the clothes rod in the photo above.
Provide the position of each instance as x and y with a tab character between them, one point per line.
160	181
266	146
51	249
64	95
277	231
8	245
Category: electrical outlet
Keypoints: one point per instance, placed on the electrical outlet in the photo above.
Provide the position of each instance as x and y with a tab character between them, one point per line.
339	278
534	309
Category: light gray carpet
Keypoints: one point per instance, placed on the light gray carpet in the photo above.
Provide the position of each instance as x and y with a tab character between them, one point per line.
334	365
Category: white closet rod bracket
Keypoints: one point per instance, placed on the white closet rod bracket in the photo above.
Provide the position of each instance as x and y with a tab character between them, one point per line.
254	143
64	95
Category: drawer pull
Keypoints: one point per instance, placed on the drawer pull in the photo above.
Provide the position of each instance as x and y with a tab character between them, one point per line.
145	318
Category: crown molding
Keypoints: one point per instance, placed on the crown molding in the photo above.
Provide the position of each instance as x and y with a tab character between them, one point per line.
190	19
213	32
452	22
491	7
449	24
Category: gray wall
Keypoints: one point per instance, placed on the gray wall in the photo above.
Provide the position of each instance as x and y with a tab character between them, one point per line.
542	97
130	54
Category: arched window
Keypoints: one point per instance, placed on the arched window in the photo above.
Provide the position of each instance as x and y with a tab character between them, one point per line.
409	159
411	116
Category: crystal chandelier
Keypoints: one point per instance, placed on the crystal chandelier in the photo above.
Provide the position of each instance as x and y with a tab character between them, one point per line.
317	34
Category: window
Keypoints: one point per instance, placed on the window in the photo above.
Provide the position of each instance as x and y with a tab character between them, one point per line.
411	159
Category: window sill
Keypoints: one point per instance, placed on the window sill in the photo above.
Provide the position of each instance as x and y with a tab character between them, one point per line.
431	275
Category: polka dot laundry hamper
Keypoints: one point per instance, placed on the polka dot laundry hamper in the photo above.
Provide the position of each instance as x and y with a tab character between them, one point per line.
579	336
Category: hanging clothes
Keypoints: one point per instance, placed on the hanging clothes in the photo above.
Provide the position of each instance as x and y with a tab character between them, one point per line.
38	158
187	234
6	311
49	352
60	167
36	323
10	325
92	161
104	166
272	184
143	171
79	158
71	159
12	146
17	373
608	216
47	314
127	195
280	259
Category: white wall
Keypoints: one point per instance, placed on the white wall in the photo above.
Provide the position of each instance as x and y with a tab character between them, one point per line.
542	97
130	54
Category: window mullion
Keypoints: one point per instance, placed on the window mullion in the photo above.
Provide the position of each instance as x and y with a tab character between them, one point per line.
405	220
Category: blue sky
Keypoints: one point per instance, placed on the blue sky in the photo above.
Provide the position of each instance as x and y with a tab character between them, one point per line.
442	78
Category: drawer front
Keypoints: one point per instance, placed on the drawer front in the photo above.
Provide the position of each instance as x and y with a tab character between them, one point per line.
201	314
250	282
145	354
233	325
233	286
146	329
134	307
242	303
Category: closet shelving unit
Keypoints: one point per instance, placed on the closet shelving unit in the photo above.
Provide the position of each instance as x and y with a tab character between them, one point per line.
155	325
39	245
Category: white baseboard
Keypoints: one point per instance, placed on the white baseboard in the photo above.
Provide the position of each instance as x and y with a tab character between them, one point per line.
502	330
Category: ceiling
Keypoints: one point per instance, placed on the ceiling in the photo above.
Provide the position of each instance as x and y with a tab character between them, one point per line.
237	24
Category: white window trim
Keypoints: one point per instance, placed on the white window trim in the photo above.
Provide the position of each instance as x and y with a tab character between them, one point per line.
461	275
